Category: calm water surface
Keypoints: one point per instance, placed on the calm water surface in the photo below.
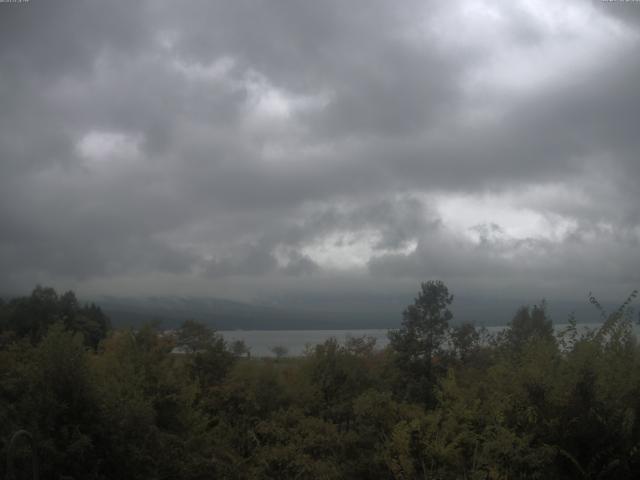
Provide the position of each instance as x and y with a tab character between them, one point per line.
295	341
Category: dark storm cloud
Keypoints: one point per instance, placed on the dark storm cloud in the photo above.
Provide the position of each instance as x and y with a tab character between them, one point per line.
626	12
47	40
301	265
585	258
257	141
253	261
396	219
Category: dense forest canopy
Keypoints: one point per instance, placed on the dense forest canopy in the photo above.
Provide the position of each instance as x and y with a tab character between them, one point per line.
439	402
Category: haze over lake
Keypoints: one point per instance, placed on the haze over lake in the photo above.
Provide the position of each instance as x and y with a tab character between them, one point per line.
296	341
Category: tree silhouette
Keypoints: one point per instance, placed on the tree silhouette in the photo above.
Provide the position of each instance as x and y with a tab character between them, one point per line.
419	340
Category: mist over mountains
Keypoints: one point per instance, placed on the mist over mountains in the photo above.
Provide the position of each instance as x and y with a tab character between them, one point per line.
315	313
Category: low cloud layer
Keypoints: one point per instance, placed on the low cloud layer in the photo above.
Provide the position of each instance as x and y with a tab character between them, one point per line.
265	150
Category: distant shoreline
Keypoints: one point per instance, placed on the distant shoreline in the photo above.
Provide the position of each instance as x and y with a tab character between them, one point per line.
296	341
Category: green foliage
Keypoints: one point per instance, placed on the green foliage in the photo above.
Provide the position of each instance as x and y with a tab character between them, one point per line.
465	341
195	337
292	445
528	324
418	343
153	405
31	317
279	351
338	373
208	358
240	349
52	395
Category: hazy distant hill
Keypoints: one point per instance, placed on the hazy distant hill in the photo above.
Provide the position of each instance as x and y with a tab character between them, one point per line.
228	315
312	313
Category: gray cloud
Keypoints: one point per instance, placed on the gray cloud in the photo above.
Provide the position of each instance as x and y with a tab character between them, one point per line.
251	262
301	265
280	147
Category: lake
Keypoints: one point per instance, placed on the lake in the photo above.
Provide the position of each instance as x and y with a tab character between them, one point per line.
295	341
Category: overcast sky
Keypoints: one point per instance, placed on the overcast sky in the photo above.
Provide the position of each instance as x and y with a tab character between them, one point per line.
272	149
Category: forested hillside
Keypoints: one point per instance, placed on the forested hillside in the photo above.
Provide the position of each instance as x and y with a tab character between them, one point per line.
440	402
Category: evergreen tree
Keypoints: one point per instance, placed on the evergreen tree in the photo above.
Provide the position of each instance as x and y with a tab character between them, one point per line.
418	343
